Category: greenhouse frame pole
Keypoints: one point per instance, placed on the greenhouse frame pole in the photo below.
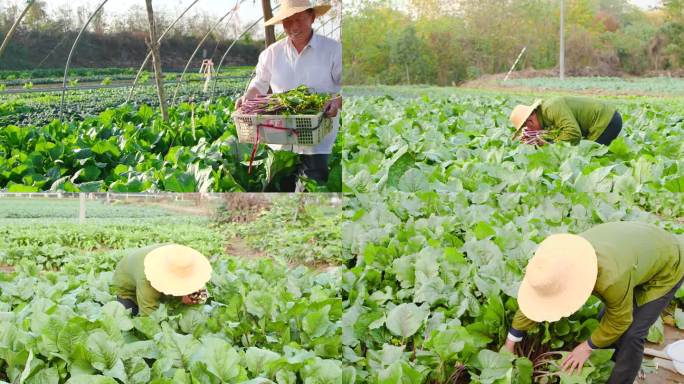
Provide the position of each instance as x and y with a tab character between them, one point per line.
149	53
156	61
187	65
14	26
218	69
71	54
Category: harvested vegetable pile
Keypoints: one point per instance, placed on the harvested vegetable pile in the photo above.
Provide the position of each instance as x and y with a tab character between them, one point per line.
299	101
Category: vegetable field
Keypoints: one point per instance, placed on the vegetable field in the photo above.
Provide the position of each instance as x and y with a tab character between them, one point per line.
448	210
453	141
37	208
59	322
41	101
426	297
656	86
449	265
132	150
105	145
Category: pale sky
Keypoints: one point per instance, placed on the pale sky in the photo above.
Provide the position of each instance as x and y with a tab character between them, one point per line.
646	4
248	11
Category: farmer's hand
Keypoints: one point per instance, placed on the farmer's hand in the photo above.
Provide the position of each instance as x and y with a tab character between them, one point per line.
333	106
510	345
250	94
576	359
238	103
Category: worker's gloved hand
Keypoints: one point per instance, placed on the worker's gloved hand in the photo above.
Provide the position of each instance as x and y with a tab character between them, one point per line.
238	102
576	359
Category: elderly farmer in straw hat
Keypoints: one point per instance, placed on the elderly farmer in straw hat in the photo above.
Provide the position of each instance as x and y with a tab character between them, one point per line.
303	58
143	277
566	118
634	268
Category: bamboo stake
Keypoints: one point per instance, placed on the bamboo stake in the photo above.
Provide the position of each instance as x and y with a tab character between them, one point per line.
156	61
149	53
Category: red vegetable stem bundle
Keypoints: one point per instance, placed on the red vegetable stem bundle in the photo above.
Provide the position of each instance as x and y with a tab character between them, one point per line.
261	105
533	137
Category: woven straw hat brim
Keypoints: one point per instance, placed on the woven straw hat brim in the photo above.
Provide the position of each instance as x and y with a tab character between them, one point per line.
520	120
165	279
284	13
578	262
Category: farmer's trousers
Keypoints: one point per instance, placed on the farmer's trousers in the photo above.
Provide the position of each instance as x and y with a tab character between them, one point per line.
612	130
314	167
129	304
629	349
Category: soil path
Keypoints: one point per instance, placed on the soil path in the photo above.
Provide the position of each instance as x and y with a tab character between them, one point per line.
239	248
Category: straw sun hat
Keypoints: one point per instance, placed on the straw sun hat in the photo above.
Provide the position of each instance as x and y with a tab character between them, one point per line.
559	278
521	113
177	270
291	7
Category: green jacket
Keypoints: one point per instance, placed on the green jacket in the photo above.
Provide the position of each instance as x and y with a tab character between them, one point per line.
571	118
637	263
131	283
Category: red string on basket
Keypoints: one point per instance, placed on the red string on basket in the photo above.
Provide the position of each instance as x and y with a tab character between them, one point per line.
256	143
251	158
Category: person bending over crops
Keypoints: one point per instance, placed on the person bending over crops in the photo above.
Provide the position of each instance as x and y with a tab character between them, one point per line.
566	118
303	58
634	268
150	275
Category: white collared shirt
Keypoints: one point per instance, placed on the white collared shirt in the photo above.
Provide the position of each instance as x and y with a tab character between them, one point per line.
318	66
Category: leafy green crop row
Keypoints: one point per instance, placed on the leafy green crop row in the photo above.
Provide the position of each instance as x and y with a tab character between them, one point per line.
460	256
427	298
57	74
69	208
54	243
47	232
41	108
451	143
123	150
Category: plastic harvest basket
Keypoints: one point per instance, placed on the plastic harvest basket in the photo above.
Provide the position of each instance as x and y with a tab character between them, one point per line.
304	130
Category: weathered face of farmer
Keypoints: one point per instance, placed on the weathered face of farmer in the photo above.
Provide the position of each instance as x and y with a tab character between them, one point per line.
298	26
532	123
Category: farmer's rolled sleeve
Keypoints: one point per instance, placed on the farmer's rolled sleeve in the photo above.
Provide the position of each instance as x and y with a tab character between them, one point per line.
318	66
637	263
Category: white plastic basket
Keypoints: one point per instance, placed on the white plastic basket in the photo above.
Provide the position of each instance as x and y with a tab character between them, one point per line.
303	130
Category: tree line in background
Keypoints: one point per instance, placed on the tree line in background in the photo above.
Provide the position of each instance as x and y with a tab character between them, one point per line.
71	18
44	38
446	42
